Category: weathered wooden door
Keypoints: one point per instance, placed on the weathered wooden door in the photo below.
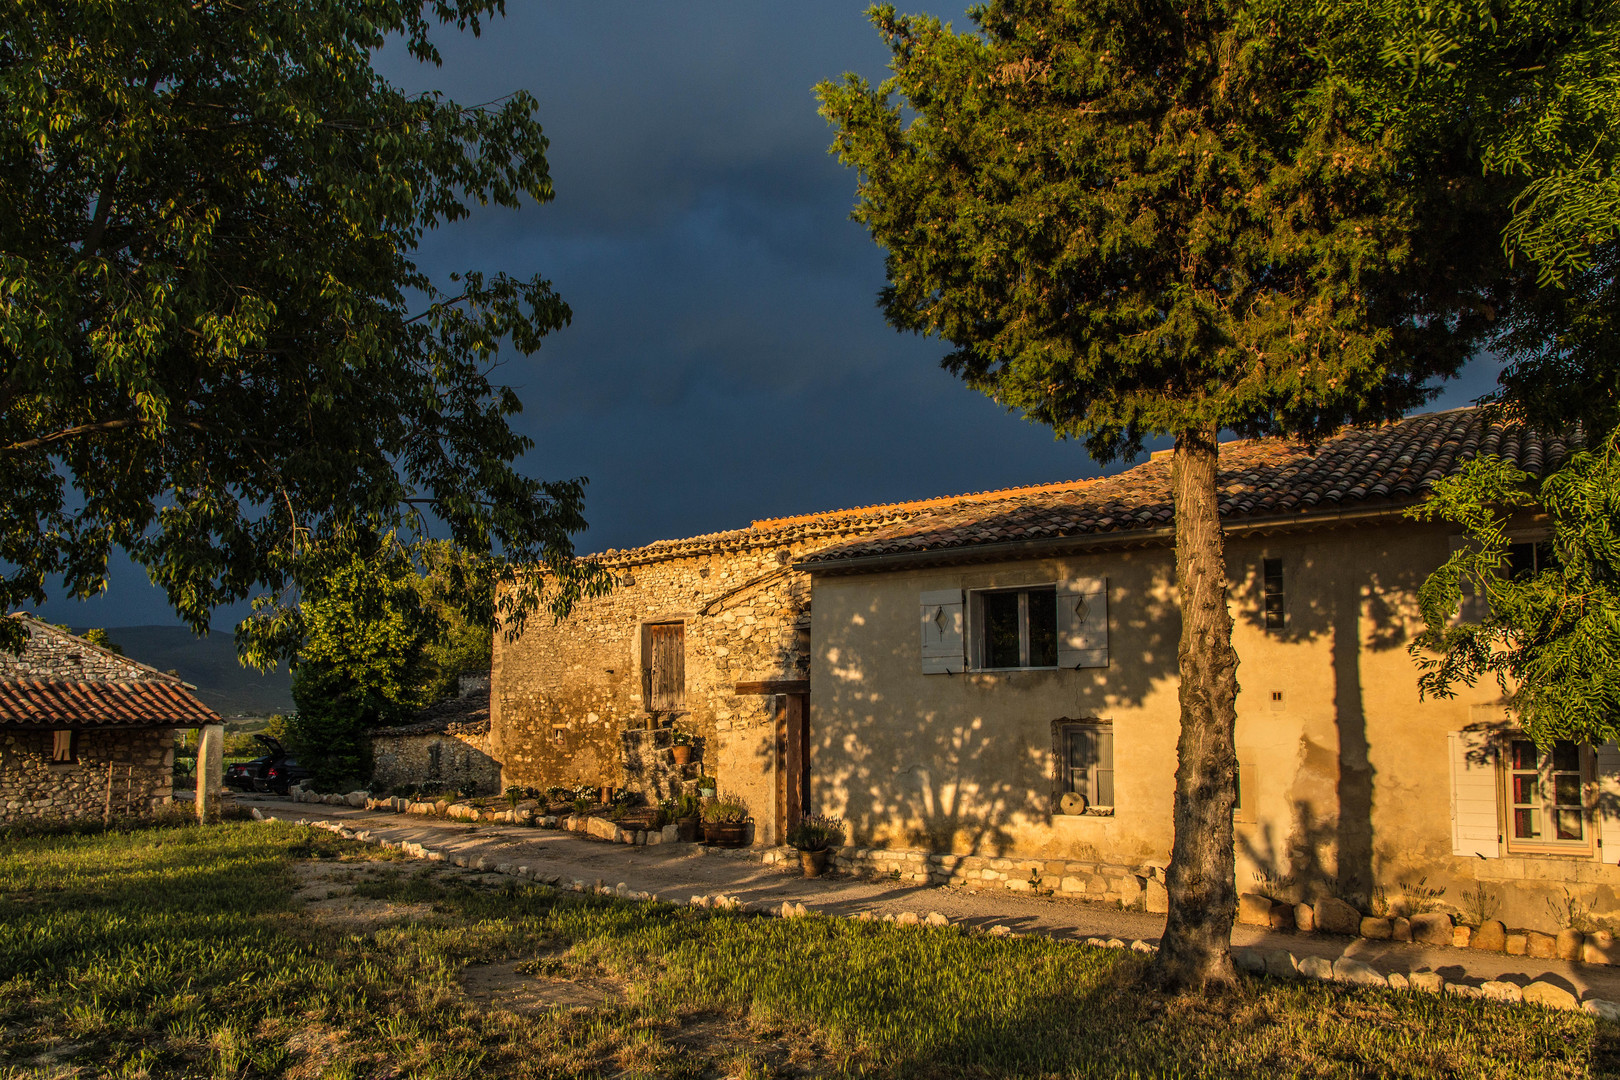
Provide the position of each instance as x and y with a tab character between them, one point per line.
793	751
666	666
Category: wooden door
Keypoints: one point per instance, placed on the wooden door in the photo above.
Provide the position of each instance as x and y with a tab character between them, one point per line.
666	666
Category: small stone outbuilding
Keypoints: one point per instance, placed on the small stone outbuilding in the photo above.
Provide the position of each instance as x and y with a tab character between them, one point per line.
85	732
447	744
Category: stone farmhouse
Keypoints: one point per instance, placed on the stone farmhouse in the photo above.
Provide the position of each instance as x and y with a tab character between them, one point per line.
987	693
85	732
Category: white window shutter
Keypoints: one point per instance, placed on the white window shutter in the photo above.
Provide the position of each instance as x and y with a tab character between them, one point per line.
1475	829
1475	607
1082	623
942	632
1608	801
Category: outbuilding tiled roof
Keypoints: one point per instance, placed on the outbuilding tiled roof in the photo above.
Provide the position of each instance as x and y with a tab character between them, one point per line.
59	703
1390	465
464	715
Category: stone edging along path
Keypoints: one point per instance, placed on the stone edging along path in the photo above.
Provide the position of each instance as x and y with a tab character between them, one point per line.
1277	963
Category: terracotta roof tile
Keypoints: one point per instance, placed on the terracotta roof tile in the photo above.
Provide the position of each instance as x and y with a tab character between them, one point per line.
1393	464
37	703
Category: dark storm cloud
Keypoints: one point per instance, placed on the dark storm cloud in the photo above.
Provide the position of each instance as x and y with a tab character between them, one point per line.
726	360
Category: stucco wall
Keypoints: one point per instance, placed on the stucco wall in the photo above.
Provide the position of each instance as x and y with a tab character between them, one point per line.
141	763
563	693
1350	769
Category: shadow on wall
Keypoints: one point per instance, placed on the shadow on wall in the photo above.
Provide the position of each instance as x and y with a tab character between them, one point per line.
1327	852
921	773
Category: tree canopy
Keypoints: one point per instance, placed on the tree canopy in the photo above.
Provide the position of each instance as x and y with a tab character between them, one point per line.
217	352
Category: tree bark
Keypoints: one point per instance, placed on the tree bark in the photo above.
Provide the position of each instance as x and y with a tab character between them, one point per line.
1195	950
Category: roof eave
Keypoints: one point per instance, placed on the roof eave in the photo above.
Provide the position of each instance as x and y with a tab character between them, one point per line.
1048	546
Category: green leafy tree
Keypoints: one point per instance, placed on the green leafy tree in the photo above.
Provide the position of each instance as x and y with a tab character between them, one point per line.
217	352
97	636
1135	220
363	663
1549	635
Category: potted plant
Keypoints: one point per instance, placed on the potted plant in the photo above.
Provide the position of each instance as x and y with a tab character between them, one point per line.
706	787
686	811
725	822
680	746
815	836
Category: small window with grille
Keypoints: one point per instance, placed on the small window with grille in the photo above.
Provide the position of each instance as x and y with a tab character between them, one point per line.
1275	611
1086	770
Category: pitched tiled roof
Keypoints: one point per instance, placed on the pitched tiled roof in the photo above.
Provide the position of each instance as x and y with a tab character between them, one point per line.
1390	465
43	704
464	715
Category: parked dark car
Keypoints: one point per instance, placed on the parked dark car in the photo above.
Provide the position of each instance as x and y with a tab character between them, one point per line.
274	771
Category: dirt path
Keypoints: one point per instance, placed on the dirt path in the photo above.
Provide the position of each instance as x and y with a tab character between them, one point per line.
677	872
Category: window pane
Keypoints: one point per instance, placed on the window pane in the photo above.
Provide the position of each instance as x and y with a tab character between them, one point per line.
1566	756
1105	767
1521	559
1001	630
1526	790
1525	824
1569	825
1567	789
1043	628
1524	754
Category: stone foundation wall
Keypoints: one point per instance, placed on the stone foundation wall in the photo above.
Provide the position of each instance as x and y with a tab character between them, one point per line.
141	761
461	762
1129	887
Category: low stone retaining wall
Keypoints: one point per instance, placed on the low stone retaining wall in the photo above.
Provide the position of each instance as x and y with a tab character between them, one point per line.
1335	916
1277	963
1129	887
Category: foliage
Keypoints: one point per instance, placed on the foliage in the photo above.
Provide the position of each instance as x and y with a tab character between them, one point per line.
98	637
726	810
1418	897
1143	221
816	832
217	352
684	807
677	737
1551	639
124	954
1479	905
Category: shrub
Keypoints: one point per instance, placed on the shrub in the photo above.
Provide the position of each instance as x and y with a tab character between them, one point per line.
818	832
685	806
726	810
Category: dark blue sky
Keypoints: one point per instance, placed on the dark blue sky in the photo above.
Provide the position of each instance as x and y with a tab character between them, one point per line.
726	360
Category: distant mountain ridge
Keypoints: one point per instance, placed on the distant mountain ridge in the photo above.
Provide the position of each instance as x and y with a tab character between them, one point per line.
223	684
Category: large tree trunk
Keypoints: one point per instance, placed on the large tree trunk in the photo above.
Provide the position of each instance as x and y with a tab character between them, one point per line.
1203	898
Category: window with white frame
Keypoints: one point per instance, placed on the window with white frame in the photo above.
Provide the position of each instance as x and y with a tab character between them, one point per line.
1546	796
1015	628
1085	767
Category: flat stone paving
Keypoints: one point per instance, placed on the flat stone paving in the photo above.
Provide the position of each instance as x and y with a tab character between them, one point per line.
677	872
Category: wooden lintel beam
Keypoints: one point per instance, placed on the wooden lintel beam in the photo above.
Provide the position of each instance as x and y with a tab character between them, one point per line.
775	686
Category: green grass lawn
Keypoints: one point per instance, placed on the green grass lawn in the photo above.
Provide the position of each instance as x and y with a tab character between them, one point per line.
190	951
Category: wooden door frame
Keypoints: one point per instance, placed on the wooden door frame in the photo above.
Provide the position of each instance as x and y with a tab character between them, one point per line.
791	723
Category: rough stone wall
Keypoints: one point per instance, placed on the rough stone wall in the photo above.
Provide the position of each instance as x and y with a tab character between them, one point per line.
54	654
141	762
459	760
562	694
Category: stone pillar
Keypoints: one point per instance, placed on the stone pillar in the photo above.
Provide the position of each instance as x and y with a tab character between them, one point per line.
210	770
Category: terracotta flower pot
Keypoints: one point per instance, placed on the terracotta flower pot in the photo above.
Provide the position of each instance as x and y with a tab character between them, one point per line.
682	753
814	863
725	834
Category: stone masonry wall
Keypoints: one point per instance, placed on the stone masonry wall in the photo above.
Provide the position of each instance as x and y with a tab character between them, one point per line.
563	693
1129	887
52	654
141	763
459	760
